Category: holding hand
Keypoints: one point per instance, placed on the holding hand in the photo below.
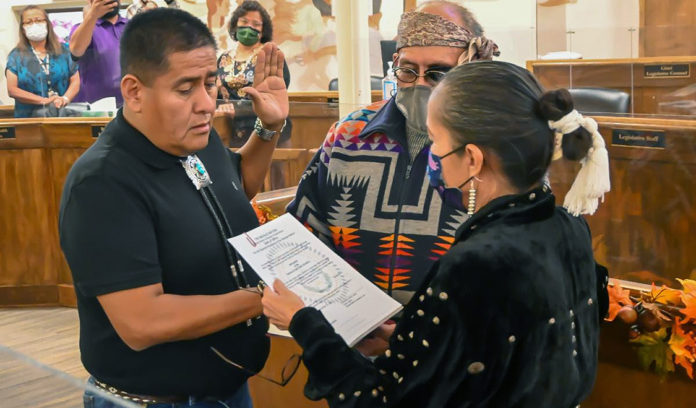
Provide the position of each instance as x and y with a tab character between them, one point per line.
60	101
97	8
377	342
280	303
49	100
268	94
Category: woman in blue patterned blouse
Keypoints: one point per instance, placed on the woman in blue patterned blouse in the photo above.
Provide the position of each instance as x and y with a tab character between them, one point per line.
41	76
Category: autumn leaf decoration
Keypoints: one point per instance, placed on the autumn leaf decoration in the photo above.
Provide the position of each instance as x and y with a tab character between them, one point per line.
263	213
662	324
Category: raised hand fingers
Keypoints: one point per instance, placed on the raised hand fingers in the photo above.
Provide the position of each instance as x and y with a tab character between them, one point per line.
260	68
273	65
280	63
268	50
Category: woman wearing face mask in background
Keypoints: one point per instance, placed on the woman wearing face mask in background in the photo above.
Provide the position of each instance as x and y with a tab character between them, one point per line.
509	316
41	76
250	28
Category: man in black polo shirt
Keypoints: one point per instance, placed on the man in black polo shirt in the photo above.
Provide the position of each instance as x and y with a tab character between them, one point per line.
143	221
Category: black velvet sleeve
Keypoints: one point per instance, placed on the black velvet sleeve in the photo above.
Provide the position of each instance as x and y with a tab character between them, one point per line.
431	361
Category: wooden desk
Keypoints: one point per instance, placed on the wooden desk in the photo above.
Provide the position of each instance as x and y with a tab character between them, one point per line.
648	95
643	231
648	222
310	124
324	96
646	229
33	167
6	111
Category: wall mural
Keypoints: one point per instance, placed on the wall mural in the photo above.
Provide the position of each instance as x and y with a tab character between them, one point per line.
305	31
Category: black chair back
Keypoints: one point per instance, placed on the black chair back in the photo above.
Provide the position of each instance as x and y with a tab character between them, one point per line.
600	100
375	84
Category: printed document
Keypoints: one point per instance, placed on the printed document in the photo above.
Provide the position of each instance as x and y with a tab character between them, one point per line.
284	249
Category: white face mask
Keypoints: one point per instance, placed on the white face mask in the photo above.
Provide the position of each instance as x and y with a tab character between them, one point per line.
36	31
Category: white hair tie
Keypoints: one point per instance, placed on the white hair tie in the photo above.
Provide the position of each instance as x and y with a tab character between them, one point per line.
592	181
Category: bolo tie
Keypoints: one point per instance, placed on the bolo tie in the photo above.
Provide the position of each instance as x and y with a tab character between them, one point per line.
200	178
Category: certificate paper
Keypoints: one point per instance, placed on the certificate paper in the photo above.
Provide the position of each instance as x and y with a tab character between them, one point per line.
284	249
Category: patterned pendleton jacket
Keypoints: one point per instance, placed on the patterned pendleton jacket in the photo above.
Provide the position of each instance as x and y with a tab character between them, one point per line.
364	196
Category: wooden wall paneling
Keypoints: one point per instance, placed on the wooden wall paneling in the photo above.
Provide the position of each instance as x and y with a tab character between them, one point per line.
667	27
310	123
62	160
66	294
28	250
28	295
65	143
621	382
552	77
644	230
290	163
6	111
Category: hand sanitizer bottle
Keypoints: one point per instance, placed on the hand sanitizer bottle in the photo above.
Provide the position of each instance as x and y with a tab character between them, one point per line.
389	83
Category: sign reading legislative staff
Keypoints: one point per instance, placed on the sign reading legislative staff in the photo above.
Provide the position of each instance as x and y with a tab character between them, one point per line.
667	71
7	132
97	129
284	249
638	138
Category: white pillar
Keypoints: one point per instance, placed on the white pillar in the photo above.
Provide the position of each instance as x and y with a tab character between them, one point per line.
353	49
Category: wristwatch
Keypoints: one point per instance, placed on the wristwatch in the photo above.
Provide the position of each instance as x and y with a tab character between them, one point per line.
266	134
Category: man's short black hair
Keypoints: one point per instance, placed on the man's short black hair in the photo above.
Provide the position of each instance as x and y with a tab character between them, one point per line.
242	10
149	39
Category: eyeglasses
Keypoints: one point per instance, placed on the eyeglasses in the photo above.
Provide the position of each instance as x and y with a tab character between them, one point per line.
409	75
289	369
250	23
37	20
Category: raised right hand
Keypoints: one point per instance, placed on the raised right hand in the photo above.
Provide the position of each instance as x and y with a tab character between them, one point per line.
98	8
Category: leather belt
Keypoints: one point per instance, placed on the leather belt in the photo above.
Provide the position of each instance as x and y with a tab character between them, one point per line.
139	398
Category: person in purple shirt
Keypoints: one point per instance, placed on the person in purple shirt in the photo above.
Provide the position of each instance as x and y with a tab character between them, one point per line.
94	44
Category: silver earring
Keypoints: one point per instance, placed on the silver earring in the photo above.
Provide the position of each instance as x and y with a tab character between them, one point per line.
472	199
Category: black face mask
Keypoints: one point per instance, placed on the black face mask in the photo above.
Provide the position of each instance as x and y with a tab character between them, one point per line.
113	13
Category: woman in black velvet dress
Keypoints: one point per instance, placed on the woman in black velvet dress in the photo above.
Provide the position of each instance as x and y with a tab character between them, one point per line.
509	317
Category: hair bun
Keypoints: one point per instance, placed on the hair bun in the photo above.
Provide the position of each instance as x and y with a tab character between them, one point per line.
555	104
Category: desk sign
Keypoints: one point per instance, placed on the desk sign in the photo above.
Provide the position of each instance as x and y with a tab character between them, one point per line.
638	138
7	132
97	129
667	71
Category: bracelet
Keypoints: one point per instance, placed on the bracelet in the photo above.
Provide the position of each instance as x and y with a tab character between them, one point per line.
66	99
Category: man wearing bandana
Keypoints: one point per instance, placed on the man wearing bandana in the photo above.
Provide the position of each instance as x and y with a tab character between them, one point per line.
366	191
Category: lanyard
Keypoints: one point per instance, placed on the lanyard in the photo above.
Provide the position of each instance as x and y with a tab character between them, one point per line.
45	64
201	180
